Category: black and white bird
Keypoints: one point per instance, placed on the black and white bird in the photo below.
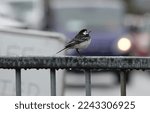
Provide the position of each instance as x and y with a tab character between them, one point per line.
81	41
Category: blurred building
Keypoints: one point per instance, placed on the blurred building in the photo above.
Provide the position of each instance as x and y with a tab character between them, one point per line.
138	6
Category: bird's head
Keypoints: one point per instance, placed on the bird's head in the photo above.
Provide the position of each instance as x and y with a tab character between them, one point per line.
84	32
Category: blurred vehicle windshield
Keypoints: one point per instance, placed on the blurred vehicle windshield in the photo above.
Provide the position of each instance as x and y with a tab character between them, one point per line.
21	9
101	16
95	18
28	12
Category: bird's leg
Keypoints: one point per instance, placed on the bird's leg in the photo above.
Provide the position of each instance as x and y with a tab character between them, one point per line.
78	51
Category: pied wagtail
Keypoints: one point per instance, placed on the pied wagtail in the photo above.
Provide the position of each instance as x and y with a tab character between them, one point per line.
81	41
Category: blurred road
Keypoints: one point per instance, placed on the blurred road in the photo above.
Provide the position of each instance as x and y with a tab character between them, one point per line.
105	84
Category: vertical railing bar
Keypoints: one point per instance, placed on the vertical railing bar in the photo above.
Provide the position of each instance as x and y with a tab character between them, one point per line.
88	82
18	82
123	83
53	82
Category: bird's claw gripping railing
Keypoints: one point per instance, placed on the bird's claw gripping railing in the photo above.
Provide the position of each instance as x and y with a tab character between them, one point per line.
121	64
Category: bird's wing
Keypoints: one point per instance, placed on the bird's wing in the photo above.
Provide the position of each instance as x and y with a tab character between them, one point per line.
71	43
81	38
78	39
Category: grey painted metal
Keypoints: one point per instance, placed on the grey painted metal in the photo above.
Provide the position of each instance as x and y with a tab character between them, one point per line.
53	82
122	63
76	62
18	82
88	82
123	83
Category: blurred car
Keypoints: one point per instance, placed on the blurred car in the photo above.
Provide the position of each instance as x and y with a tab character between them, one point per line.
103	17
139	34
30	13
140	41
6	18
141	5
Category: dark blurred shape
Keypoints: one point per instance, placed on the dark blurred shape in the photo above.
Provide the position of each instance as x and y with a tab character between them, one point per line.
49	18
137	6
134	29
31	14
140	41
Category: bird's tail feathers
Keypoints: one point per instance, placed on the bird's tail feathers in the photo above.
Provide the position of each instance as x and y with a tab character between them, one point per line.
61	50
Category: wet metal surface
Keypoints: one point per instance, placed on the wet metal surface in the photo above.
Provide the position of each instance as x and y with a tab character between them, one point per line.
18	82
53	82
87	63
123	83
88	82
75	62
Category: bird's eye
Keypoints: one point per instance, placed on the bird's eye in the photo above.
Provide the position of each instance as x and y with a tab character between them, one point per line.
85	32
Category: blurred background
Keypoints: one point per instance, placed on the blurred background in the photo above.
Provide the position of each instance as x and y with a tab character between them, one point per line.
119	28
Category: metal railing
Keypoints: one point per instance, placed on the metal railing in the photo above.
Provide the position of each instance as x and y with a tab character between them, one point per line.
120	64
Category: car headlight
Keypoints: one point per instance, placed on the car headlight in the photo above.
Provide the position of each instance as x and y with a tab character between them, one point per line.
124	44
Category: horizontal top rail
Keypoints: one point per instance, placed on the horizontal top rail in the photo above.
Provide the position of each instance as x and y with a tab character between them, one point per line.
100	62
